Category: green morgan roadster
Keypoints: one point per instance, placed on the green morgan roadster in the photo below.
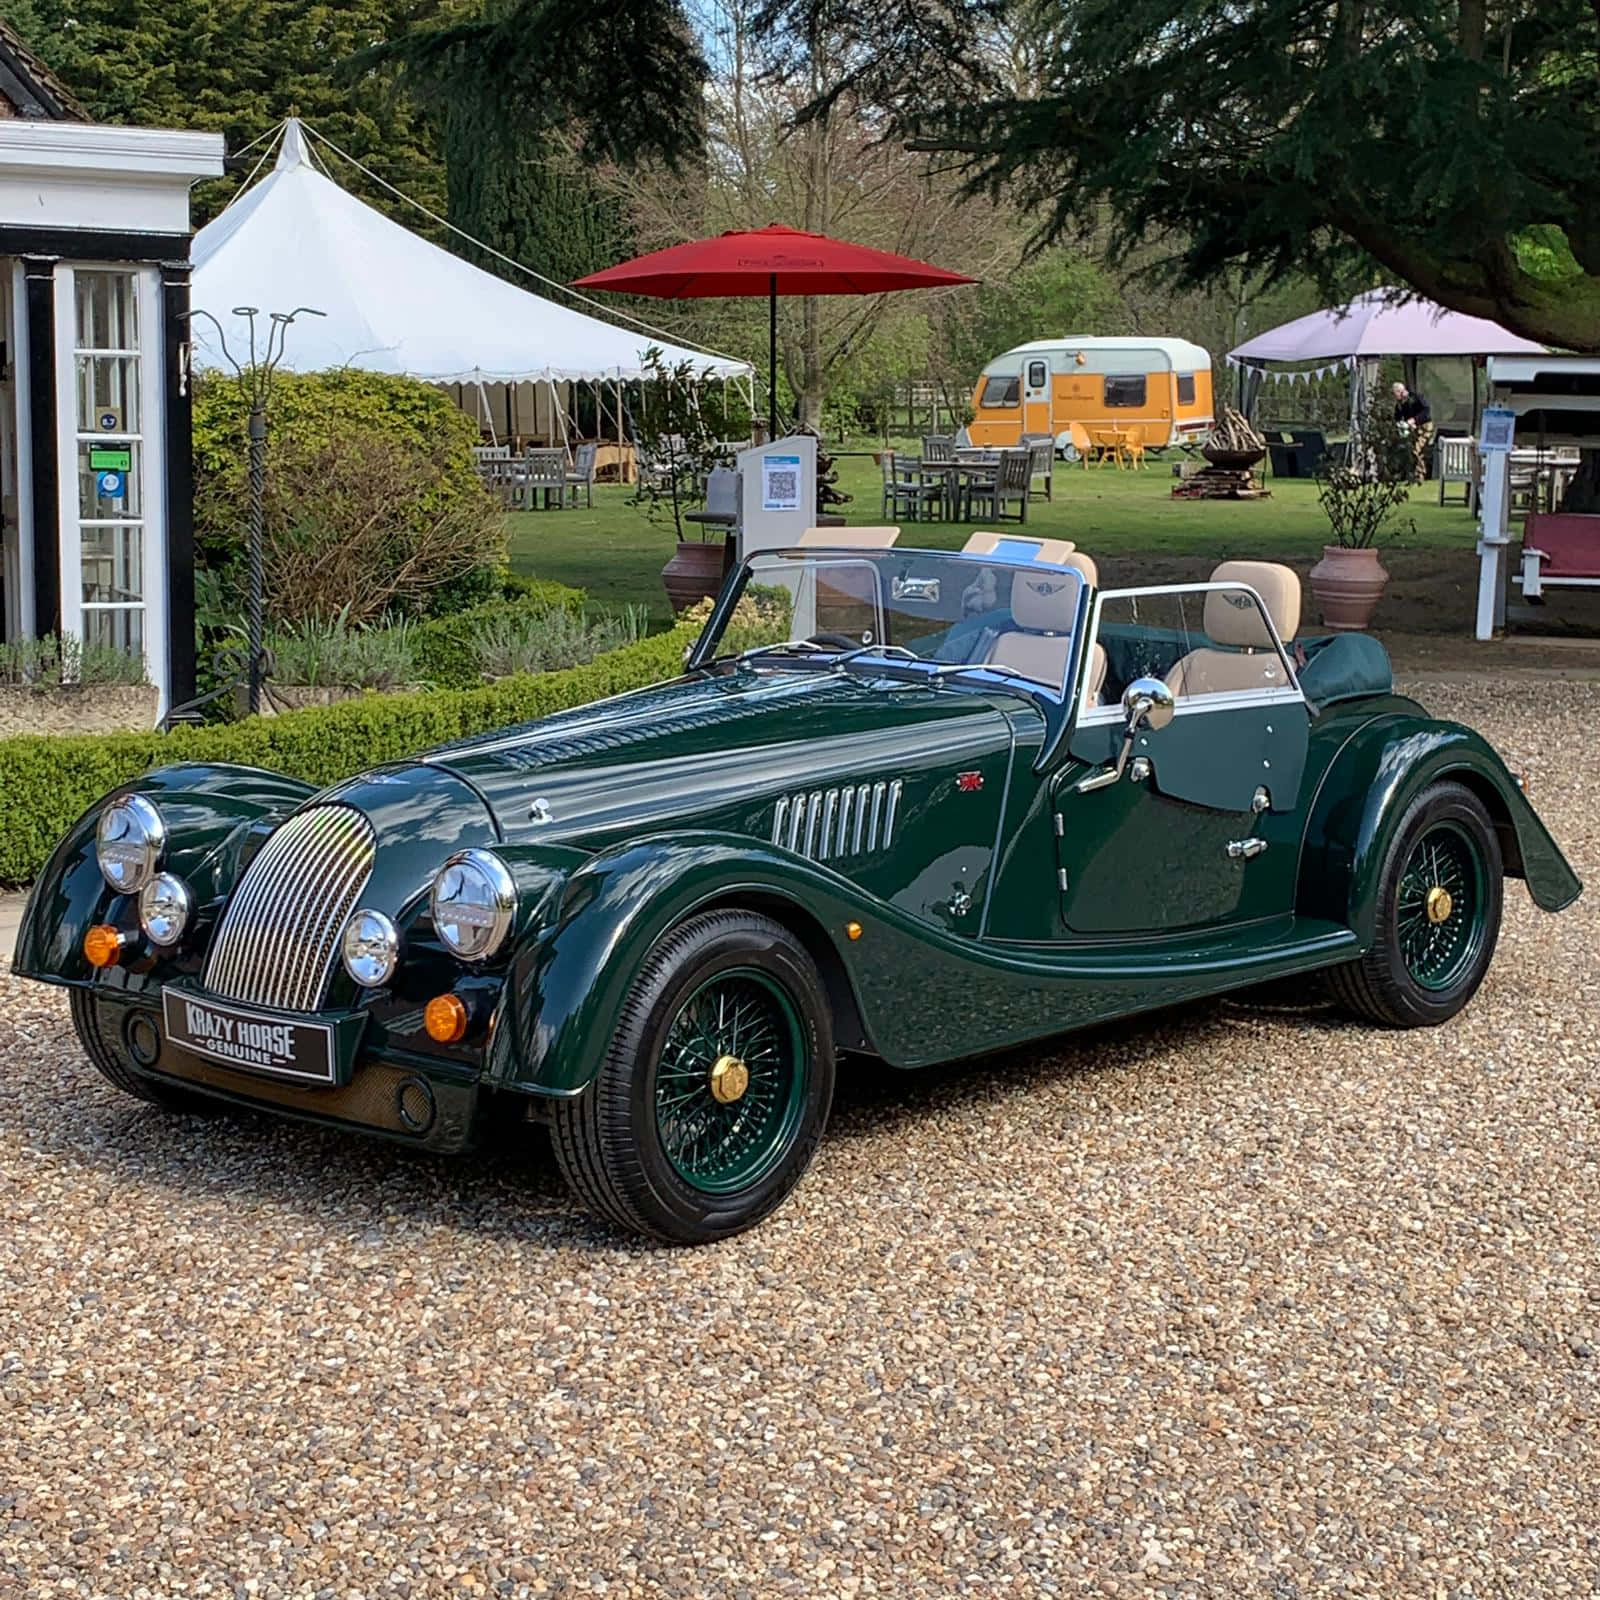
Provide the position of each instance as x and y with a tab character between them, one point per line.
958	801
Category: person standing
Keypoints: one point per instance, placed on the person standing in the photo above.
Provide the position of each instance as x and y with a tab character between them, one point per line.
1412	412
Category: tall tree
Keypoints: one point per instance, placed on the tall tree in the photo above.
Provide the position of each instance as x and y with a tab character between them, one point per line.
238	67
1455	144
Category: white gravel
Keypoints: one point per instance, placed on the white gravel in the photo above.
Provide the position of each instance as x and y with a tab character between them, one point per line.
1228	1303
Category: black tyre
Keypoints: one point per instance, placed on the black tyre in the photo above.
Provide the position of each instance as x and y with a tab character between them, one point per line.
1440	895
99	1027
715	1089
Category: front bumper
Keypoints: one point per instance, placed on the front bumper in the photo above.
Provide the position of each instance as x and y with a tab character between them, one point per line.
431	1105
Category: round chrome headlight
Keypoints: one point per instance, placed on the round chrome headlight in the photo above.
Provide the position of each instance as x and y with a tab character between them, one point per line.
371	948
473	901
165	905
129	842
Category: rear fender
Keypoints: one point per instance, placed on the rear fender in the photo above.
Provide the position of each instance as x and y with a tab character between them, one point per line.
1379	771
209	811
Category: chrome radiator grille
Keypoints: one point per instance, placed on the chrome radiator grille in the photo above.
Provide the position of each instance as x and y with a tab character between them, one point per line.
277	938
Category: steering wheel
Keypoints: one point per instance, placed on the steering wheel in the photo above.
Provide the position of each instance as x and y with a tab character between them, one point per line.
842	640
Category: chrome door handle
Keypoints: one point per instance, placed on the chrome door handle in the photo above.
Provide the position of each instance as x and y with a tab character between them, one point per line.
1244	849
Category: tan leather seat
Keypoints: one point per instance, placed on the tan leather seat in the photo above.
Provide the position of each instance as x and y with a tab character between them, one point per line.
854	538
1234	620
1044	607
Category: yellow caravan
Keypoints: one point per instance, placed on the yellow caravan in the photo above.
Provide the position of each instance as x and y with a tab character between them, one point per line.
1160	385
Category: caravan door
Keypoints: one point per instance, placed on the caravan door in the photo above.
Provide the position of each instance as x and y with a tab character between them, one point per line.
1036	396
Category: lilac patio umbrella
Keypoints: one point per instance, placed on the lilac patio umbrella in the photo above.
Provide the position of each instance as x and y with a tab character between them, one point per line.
1379	324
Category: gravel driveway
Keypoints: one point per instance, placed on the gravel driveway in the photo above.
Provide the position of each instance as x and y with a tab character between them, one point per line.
1227	1303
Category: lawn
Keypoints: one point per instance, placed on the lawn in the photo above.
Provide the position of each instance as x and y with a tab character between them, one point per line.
616	552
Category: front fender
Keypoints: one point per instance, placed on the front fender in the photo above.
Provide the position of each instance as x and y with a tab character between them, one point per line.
208	809
1382	767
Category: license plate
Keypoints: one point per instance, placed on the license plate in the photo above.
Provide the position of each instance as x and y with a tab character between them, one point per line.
253	1041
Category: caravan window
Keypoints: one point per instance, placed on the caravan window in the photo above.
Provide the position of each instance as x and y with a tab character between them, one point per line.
1000	391
1185	388
1125	389
1036	374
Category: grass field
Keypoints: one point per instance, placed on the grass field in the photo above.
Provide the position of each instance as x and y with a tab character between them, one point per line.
616	552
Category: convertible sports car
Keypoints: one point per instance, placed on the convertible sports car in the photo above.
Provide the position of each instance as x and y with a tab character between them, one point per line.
955	802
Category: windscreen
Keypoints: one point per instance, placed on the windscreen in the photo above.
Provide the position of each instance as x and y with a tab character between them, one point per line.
998	611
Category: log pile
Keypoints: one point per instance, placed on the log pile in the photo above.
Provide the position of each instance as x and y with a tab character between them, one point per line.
1233	452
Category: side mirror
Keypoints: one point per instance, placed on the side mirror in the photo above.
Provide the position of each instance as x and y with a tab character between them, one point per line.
1149	703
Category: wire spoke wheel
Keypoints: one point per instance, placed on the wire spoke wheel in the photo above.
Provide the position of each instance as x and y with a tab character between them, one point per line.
729	1084
1439	908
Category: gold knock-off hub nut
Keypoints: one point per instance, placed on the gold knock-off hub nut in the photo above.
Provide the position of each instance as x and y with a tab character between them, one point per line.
730	1077
1439	903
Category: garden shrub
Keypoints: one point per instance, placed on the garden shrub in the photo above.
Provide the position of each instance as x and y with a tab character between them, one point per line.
47	783
374	502
333	654
445	650
47	662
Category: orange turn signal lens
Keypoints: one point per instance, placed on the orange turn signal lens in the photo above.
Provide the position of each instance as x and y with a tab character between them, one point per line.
445	1019
102	945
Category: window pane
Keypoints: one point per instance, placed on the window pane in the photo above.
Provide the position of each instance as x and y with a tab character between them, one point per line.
108	315
1185	388
108	394
113	565
1198	643
1125	390
109	478
1000	391
119	629
1036	374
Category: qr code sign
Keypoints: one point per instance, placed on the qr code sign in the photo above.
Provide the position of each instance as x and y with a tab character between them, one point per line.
783	485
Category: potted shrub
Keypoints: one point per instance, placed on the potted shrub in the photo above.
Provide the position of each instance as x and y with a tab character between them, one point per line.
326	660
55	685
1360	496
686	422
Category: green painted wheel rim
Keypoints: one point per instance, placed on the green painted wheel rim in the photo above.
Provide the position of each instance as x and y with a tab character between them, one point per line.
720	1147
1438	949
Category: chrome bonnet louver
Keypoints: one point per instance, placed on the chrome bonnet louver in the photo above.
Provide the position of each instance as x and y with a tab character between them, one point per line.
830	824
278	937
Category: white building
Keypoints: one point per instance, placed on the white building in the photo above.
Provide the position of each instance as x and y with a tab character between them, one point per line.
95	475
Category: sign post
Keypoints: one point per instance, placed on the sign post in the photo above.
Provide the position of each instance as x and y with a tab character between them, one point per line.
1495	439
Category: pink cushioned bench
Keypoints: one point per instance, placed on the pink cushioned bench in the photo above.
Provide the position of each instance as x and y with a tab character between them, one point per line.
1560	550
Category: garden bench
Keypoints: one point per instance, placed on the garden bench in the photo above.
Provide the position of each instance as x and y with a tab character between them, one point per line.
1560	549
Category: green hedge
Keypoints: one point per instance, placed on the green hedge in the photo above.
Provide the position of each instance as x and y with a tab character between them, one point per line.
47	783
441	650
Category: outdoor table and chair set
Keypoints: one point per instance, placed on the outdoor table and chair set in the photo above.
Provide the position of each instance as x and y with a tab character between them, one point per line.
540	478
952	483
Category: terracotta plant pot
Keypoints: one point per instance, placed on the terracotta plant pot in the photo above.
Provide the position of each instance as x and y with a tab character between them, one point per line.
1348	585
693	573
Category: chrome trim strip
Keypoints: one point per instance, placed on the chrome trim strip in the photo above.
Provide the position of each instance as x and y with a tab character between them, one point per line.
830	809
877	810
847	800
862	794
780	816
796	821
813	816
889	813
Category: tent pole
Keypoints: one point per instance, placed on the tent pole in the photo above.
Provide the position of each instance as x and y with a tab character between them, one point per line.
772	357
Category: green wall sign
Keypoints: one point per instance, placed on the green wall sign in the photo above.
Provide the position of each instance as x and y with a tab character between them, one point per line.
110	460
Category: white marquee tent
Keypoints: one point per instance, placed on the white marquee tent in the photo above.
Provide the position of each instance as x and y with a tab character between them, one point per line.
391	301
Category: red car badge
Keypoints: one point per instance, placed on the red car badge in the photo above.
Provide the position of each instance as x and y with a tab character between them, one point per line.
969	782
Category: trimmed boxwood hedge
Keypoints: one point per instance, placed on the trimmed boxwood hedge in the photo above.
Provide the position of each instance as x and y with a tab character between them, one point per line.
442	649
47	783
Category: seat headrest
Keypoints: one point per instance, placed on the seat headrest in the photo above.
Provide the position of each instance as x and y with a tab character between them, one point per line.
981	542
1044	601
1231	620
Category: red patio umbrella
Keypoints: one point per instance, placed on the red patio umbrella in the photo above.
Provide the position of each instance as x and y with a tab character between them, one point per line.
770	261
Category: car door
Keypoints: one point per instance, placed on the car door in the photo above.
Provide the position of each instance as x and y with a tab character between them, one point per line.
1200	827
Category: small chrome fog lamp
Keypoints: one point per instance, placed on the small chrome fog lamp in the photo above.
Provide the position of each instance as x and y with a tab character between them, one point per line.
473	901
129	842
165	906
371	947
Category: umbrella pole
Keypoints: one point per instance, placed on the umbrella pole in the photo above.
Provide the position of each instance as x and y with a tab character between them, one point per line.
772	357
